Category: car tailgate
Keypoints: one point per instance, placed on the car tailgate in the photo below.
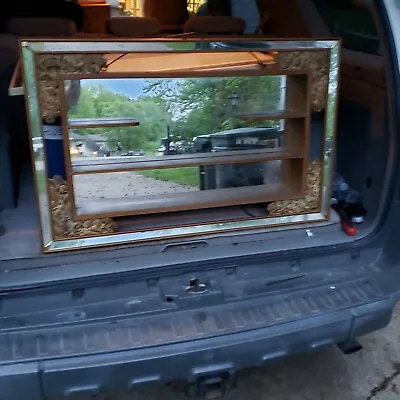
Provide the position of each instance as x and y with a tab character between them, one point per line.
89	351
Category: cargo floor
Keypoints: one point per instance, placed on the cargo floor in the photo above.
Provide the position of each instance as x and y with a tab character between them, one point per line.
22	236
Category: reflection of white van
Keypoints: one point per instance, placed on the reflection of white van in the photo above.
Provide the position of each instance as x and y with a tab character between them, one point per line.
37	144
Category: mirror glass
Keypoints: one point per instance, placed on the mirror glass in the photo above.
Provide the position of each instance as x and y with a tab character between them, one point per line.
159	190
170	116
149	145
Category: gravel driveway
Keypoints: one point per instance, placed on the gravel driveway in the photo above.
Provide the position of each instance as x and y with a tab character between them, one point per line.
124	184
127	184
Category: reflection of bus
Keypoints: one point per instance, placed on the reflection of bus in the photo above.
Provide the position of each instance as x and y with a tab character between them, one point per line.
238	139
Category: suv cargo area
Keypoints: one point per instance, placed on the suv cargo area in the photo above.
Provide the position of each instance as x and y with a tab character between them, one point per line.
362	164
97	320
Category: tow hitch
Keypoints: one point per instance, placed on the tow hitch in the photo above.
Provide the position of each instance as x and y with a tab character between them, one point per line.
212	387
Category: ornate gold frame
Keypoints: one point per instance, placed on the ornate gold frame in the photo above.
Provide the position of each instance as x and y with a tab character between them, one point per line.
45	62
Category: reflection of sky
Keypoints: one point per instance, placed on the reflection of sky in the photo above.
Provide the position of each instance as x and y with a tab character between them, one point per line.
132	87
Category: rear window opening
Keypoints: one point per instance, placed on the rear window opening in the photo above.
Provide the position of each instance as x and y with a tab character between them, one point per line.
361	148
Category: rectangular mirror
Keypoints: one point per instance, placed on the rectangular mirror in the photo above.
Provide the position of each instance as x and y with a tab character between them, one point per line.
212	126
131	138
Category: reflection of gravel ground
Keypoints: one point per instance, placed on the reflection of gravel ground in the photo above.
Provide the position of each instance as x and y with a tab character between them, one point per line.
124	184
127	184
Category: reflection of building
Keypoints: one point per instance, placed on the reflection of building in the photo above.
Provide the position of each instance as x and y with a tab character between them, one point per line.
132	7
135	7
193	5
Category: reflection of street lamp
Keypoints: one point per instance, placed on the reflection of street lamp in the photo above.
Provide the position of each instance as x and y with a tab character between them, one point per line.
233	97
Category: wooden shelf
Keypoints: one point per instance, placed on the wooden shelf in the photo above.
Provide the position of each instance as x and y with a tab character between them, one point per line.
180	62
83	123
118	207
293	157
124	164
298	91
270	115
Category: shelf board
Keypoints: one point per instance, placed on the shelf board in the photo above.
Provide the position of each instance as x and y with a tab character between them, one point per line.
272	115
124	164
160	61
16	87
118	207
83	123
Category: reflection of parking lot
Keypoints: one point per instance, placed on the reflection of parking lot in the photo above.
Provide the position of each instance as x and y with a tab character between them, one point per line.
127	184
124	184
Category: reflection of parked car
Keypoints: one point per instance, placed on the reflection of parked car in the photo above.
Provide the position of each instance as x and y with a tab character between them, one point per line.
171	149
131	153
237	139
104	152
161	150
245	139
74	151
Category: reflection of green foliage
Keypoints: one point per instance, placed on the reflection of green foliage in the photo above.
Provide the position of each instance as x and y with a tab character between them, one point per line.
41	180
183	176
204	107
182	45
190	107
151	112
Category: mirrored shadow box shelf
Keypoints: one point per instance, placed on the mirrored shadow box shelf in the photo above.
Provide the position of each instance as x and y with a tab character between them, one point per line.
273	173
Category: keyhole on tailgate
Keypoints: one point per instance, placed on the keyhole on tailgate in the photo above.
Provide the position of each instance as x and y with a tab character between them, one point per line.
196	287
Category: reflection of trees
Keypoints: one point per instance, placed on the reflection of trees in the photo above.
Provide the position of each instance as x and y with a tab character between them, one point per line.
203	105
191	107
151	112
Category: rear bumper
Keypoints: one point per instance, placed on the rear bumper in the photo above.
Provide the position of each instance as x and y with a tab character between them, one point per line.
185	360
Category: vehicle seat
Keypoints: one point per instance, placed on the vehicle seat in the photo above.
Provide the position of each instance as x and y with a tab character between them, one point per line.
170	14
133	27
41	27
215	25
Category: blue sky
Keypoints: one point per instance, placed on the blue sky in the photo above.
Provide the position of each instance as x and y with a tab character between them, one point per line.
132	88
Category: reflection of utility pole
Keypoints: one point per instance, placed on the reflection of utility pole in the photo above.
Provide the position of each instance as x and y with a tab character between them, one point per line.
168	139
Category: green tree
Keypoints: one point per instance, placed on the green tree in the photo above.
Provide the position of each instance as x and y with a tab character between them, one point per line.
203	105
151	112
189	106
